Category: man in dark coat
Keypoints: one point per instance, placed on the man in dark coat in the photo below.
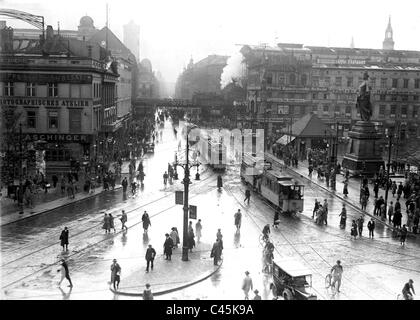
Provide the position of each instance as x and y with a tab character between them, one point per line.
247	195
150	256
371	227
64	272
124	184
216	252
64	237
167	247
146	221
115	274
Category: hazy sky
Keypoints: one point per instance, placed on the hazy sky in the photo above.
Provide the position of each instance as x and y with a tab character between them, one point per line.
174	30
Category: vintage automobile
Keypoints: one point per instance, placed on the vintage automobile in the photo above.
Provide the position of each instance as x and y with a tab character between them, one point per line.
150	147
292	280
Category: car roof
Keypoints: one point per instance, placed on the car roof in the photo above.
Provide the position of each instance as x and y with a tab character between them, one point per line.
293	267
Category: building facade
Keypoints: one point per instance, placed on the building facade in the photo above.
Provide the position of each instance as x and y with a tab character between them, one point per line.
201	77
291	80
61	91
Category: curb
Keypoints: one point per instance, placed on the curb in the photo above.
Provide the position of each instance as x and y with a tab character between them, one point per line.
189	284
55	208
345	200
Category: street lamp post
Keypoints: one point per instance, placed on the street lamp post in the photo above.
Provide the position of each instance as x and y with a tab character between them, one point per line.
387	169
186	181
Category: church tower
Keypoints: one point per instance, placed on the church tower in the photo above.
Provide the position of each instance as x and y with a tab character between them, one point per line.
388	43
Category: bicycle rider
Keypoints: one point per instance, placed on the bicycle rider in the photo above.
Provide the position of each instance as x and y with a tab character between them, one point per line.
336	274
406	290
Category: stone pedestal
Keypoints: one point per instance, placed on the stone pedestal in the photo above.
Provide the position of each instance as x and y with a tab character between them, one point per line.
364	154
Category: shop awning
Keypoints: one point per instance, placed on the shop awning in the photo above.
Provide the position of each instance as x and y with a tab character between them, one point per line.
286	139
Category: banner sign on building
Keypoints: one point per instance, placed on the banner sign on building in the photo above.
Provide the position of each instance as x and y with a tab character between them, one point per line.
44	102
193	212
179	197
57	137
43	78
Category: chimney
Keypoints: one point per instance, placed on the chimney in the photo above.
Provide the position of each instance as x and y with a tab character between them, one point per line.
50	33
6	39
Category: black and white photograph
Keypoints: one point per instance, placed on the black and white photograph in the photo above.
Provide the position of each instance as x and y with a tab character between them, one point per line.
209	150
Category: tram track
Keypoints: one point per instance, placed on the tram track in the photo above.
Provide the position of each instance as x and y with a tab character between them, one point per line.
47	266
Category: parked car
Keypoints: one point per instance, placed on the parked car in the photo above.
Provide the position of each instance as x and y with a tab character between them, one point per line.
292	280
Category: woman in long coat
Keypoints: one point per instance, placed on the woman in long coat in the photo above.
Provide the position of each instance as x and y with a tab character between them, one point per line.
345	190
174	236
167	247
216	252
107	223
354	229
64	237
191	241
146	221
111	223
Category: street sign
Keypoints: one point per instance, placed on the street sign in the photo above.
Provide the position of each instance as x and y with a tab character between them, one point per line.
179	197
193	212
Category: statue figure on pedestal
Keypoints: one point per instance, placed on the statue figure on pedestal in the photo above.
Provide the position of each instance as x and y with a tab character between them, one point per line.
363	104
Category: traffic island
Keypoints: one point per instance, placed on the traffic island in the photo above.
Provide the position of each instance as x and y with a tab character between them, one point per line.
170	275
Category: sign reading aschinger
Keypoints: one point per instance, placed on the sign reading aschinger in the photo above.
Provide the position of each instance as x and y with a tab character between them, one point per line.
51	137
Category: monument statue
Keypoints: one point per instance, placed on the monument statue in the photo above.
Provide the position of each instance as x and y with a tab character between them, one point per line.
363	104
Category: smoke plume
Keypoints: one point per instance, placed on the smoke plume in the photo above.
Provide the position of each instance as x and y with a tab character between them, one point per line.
233	70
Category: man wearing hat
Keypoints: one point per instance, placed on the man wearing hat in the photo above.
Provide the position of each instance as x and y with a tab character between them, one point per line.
167	247
247	285
147	293
115	274
257	296
150	256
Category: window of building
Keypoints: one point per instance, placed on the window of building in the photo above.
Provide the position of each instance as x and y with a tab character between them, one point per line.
327	81
382	111
338	81
9	89
325	95
394	83
292	79
405	83
57	155
415	111
297	109
394	97
282	109
415	98
383	82
404	110
269	78
337	110
373	82
75	120
404	98
303	80
348	110
382	97
315	81
326	108
313	95
53	90
417	83
349	81
30	89
52	119
31	119
393	111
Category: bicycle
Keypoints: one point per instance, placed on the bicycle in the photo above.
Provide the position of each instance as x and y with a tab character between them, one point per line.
400	296
328	283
